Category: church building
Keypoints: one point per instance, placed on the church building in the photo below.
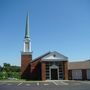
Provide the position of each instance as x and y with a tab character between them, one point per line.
51	65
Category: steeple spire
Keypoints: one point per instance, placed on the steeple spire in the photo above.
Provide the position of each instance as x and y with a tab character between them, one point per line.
27	27
27	42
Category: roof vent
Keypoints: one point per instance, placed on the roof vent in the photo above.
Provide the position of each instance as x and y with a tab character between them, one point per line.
54	55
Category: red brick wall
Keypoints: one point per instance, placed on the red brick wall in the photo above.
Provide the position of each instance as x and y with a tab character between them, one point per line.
84	74
65	67
36	69
25	66
70	74
43	65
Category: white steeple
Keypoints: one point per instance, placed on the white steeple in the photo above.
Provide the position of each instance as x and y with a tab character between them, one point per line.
27	42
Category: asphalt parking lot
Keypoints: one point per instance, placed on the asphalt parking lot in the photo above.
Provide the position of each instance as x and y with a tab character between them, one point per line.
47	85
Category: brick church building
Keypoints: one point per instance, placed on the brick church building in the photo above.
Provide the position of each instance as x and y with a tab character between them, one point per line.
51	65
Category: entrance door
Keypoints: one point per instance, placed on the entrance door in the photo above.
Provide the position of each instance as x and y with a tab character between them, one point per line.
54	74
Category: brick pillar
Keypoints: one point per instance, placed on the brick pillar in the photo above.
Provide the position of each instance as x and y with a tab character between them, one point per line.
70	74
25	65
43	71
84	75
65	64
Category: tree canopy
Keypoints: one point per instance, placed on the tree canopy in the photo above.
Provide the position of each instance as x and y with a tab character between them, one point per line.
9	71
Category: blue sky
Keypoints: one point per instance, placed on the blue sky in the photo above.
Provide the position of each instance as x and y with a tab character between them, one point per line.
55	25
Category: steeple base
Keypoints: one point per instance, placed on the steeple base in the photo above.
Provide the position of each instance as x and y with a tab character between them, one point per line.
26	58
26	53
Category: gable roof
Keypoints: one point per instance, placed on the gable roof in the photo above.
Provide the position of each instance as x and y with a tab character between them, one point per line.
79	65
40	57
51	56
54	56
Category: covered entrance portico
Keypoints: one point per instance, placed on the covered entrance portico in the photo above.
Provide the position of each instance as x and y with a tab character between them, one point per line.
54	67
54	70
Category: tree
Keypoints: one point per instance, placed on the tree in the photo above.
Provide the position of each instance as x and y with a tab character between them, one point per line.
3	75
8	71
15	68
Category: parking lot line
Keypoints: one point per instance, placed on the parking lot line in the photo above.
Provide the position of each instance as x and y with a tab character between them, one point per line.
64	83
55	83
45	84
20	84
38	84
27	84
